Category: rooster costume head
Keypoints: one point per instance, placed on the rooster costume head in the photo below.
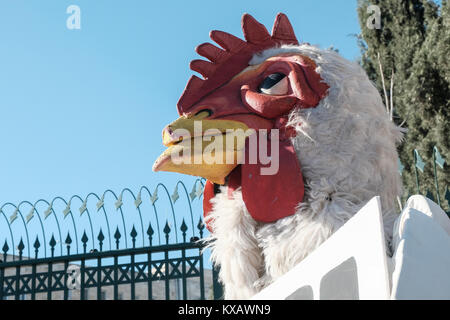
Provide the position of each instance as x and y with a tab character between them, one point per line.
336	149
235	94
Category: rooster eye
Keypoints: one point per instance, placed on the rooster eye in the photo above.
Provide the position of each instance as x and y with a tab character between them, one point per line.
275	84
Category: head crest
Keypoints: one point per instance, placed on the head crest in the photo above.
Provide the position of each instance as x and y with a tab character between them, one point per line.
233	56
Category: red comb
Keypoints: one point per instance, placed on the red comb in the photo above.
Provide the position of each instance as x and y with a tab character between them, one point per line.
225	63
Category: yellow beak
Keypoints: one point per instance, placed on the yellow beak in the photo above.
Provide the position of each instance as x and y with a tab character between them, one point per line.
206	148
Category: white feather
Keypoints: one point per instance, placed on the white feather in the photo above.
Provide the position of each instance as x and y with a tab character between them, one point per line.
347	150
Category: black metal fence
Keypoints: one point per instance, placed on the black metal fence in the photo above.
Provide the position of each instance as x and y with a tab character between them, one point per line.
139	263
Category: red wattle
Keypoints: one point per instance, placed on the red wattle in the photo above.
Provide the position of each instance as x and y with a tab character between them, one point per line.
208	194
269	198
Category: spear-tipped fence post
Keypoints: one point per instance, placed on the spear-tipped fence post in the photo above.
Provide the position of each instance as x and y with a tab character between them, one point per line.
5	250
150	233
100	239
133	235
68	243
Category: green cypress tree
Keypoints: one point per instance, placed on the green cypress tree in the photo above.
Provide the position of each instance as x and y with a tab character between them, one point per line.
413	45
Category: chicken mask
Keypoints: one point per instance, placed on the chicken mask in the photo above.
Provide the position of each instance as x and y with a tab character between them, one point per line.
235	95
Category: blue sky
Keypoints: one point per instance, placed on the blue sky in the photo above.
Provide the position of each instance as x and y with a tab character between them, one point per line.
82	110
